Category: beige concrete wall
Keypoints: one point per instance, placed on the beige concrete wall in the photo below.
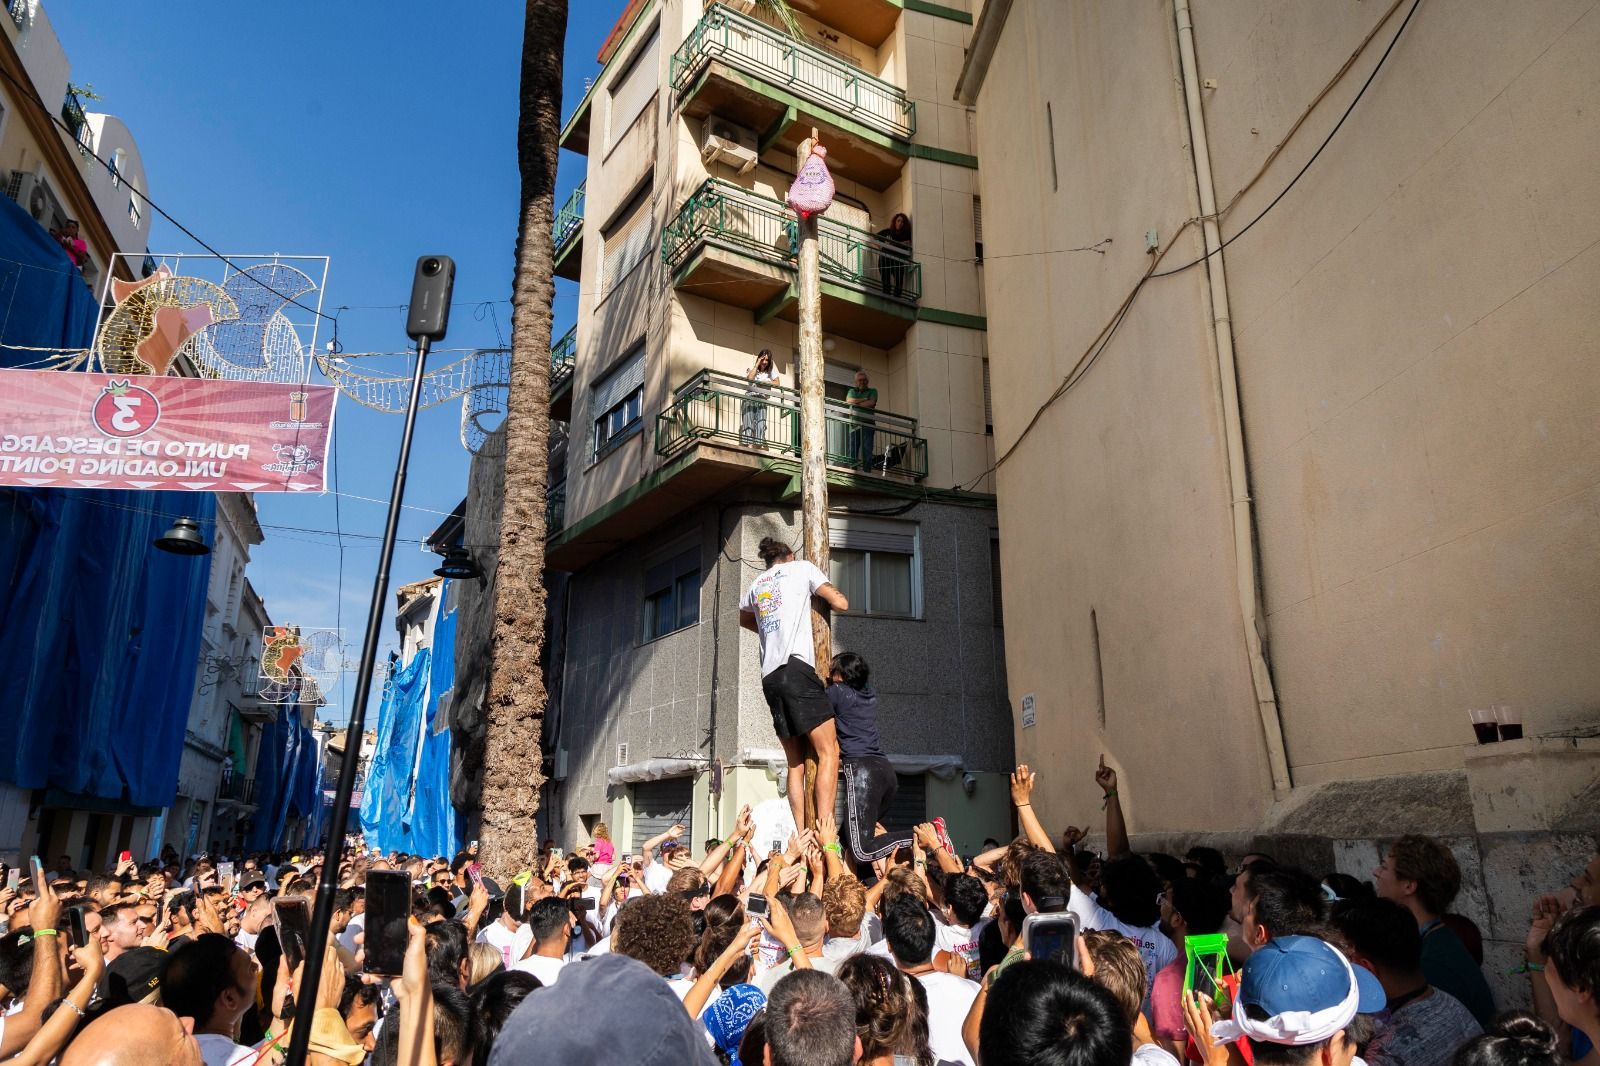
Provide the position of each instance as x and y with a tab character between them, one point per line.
1416	340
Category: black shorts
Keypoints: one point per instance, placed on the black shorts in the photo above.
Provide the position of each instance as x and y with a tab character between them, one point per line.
797	699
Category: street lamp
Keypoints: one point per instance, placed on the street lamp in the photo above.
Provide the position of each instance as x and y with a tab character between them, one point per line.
183	538
458	565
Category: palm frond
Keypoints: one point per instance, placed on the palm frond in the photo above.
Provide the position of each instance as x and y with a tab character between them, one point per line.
780	10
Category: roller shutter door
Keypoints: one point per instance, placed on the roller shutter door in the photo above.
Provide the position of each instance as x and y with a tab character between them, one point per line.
658	806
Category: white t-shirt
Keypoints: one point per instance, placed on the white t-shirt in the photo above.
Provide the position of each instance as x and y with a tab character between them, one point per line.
960	940
347	939
511	943
220	1051
546	969
1151	1055
246	940
1155	947
949	999
781	600
656	877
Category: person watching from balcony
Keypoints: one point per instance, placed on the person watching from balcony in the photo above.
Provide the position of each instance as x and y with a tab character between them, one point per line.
753	410
863	399
72	244
894	255
776	607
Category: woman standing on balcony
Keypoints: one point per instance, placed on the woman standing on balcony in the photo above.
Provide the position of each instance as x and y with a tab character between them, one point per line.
753	416
894	255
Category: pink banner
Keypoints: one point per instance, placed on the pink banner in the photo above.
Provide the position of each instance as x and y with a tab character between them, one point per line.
63	429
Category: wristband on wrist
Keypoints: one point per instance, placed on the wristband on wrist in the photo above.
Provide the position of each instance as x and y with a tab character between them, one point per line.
45	932
1527	967
1022	805
835	847
792	952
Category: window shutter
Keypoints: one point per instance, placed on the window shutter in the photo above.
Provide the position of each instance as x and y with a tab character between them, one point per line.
977	227
627	245
862	534
615	386
633	89
658	806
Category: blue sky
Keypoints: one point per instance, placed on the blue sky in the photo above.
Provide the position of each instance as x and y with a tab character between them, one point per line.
369	132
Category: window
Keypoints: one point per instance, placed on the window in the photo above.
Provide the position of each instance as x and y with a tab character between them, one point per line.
633	89
988	402
618	400
672	595
977	228
874	563
135	213
115	166
628	242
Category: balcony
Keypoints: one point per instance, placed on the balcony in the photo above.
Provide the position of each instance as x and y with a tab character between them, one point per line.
745	71
236	790
563	360
730	411
569	236
18	10
72	114
555	508
739	248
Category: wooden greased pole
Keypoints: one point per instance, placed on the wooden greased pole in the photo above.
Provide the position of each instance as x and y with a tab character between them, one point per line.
813	448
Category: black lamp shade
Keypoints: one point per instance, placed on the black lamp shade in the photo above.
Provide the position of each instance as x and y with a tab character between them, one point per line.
458	564
184	538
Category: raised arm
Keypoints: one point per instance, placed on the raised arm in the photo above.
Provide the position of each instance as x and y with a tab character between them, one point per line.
1116	828
706	984
830	595
832	850
929	839
648	851
44	987
1022	799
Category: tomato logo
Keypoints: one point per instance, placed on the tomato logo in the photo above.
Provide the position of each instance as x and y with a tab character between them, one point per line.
125	410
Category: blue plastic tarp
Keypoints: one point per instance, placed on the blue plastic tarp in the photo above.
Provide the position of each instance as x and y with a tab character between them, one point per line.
44	301
406	806
99	641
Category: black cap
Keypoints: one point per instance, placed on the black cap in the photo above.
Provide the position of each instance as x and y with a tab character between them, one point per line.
133	975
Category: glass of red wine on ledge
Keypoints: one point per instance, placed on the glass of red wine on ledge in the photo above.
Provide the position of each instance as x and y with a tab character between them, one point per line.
1484	725
1508	722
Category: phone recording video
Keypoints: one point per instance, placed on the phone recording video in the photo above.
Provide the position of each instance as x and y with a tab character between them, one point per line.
388	898
1051	936
757	906
293	920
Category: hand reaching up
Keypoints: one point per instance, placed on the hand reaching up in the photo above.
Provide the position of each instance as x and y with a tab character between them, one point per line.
1105	777
1022	786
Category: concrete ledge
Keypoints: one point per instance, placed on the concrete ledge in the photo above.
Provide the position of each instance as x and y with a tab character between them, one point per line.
1537	783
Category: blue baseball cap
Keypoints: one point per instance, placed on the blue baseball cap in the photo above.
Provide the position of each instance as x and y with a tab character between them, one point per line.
1307	989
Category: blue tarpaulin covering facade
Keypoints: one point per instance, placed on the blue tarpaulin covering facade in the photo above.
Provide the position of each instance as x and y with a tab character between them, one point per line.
100	632
288	772
406	806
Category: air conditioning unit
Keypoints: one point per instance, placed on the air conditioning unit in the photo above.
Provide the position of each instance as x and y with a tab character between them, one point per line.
730	145
33	194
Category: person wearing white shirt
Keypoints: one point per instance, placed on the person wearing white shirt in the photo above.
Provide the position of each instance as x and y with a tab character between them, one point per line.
777	608
212	980
550	920
509	934
909	930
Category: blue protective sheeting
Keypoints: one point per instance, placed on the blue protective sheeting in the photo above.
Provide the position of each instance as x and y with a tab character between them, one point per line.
44	301
406	806
288	772
99	641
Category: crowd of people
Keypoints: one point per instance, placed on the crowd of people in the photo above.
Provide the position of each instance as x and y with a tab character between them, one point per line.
808	956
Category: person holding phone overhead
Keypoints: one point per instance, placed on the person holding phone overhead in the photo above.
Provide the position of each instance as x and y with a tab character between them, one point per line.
777	608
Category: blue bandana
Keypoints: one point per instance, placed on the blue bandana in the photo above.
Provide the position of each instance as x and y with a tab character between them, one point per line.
730	1014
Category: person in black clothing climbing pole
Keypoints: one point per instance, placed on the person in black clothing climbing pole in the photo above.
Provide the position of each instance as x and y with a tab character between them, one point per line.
869	781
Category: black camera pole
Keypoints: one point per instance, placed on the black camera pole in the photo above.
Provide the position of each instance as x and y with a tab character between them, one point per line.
426	322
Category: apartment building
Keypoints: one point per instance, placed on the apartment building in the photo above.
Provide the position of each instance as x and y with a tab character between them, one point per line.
1325	492
671	465
51	173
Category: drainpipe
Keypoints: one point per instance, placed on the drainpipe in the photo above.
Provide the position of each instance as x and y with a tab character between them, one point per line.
1244	543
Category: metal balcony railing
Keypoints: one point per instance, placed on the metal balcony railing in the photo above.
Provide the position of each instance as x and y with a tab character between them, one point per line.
72	114
555	509
736	218
563	359
730	410
799	68
569	220
238	789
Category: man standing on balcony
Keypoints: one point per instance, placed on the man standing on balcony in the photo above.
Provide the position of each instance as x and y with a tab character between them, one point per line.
863	398
777	608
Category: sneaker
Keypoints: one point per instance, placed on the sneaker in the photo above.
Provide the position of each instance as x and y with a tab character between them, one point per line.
944	837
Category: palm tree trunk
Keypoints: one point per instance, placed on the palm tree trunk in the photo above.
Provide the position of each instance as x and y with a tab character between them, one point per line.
515	700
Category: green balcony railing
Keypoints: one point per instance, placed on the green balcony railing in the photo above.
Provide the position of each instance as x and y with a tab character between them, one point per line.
801	69
730	410
72	114
563	359
569	220
722	213
555	509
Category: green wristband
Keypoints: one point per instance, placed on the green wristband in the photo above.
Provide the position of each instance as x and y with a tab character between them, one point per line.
835	847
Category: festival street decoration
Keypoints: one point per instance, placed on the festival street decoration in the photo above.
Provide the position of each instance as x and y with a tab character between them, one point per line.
106	431
300	665
480	378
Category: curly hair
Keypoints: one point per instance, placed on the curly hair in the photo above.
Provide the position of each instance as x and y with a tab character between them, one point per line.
844	902
886	1009
1011	862
1119	967
656	930
1430	864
